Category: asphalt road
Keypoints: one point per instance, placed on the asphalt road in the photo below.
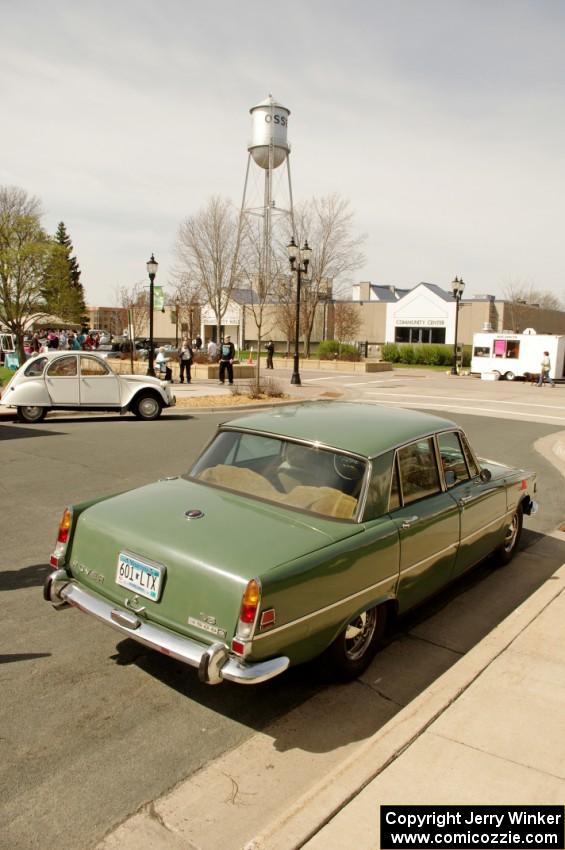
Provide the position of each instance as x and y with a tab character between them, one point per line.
92	725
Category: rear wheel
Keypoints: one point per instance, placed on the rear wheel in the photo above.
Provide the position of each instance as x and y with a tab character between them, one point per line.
354	648
147	407
510	376
512	537
31	413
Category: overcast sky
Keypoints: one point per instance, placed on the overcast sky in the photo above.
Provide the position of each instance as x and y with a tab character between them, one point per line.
442	122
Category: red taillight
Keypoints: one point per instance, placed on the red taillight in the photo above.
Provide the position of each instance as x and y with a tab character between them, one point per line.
250	602
65	527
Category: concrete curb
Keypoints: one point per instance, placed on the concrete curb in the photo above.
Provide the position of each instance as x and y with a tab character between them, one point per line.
317	807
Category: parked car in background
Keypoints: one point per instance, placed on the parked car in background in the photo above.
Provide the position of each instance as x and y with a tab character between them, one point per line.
296	533
68	380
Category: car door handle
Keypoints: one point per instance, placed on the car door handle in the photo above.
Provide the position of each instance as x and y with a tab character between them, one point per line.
464	500
408	521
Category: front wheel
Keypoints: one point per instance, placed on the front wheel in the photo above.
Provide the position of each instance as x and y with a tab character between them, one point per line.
31	413
354	648
512	537
147	407
510	376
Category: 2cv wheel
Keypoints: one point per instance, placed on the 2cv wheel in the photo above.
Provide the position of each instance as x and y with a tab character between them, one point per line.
31	413
147	407
354	648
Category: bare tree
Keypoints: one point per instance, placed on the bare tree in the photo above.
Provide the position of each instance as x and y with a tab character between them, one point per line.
135	299
285	311
207	253
347	321
187	298
25	249
327	223
519	292
262	280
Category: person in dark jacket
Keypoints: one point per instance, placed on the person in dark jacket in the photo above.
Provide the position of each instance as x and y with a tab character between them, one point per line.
185	360
270	349
227	355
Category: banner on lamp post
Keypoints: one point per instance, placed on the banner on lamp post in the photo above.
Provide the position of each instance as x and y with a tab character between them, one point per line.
158	298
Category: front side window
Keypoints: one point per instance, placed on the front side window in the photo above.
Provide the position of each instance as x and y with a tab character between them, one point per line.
63	367
90	368
452	458
419	475
295	475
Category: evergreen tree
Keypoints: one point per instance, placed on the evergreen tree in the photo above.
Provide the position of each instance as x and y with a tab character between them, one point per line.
63	292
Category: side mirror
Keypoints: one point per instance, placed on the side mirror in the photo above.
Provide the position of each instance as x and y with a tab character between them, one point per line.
485	475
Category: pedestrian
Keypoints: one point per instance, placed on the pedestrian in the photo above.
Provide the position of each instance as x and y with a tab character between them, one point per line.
185	360
35	344
162	364
545	367
270	349
227	355
212	351
63	340
198	343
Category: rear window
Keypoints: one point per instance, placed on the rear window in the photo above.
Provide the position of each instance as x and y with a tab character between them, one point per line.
295	475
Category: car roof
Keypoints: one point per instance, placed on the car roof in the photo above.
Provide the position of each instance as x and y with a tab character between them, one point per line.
365	429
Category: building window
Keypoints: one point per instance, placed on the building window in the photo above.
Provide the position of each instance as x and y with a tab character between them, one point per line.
419	335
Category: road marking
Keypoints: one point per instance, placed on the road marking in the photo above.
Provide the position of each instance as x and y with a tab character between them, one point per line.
368	383
463	398
477	411
315	380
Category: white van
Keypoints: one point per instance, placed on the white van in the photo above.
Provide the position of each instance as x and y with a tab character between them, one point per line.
510	356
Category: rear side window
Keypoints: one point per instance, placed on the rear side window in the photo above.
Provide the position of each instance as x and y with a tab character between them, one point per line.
419	475
36	368
92	368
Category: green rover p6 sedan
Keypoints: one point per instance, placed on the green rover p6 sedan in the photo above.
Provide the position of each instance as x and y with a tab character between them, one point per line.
296	533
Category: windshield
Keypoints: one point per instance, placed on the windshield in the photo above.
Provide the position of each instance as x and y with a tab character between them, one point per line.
305	477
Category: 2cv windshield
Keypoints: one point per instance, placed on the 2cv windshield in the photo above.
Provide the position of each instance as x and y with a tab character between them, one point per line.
296	475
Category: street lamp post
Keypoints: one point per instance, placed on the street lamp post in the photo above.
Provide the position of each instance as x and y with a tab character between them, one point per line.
457	286
299	261
152	266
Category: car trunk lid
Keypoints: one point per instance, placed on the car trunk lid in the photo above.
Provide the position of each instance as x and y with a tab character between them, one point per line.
190	549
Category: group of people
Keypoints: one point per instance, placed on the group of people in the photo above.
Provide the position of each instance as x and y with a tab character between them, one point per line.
186	353
63	340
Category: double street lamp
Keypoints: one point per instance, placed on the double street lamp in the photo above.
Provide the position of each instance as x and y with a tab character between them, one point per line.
152	266
457	287
299	261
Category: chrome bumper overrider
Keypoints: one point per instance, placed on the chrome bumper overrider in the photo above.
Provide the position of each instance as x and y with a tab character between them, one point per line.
214	662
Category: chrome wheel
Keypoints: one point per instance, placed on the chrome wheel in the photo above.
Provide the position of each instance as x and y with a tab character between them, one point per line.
359	634
355	646
511	537
511	534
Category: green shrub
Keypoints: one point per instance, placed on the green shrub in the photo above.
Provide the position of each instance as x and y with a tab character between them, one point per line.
390	352
331	349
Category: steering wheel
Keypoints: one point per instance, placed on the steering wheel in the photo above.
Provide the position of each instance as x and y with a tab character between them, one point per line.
349	468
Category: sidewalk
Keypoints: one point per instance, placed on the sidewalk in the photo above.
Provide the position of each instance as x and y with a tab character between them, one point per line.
489	731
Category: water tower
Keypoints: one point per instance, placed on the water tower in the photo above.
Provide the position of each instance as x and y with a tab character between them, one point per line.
268	151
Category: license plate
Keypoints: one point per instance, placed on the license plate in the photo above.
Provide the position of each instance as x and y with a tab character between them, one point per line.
144	579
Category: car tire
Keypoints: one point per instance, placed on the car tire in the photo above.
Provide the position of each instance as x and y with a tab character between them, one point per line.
147	407
31	413
510	376
354	648
506	551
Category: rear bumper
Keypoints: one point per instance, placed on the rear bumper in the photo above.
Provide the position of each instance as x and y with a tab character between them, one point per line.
214	663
